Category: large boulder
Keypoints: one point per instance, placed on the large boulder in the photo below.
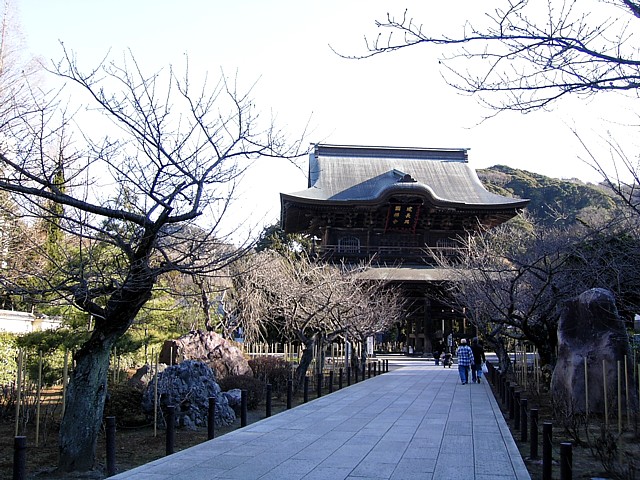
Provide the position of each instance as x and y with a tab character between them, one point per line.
590	328
234	399
188	386
221	355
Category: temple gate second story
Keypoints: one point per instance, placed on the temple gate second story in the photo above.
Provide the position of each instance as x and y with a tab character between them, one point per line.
392	205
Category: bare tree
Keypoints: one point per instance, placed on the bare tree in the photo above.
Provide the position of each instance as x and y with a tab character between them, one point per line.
203	295
19	75
509	283
19	255
294	298
513	281
128	179
310	303
380	307
606	253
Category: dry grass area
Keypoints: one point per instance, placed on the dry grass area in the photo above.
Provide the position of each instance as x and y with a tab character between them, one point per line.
134	447
586	465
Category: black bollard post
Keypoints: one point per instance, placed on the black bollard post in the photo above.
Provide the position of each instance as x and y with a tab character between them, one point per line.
533	416
340	379
171	430
566	461
331	381
505	397
211	422
289	394
348	376
375	368
243	407
356	372
319	385
306	389
547	432
504	385
387	365
368	370
268	406
111	446
512	401
516	410
19	458
523	419
505	400
364	372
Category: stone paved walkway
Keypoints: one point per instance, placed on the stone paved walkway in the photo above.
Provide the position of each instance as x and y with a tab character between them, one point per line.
415	422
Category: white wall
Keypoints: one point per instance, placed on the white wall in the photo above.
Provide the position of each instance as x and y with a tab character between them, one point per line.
23	322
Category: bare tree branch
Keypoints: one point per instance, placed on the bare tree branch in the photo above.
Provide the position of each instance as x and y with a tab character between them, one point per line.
527	56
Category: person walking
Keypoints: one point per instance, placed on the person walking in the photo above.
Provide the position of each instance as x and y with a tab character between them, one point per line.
437	351
478	360
465	359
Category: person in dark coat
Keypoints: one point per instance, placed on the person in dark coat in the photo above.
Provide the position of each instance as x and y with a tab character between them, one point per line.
478	360
437	351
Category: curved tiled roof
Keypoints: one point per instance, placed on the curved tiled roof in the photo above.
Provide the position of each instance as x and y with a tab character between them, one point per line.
340	174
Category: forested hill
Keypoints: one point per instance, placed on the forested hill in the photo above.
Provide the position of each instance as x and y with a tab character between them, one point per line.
553	201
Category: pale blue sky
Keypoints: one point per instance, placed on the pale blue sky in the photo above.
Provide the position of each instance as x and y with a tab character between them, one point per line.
394	100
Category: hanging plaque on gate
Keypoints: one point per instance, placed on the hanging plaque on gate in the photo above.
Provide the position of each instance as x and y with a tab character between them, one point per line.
402	217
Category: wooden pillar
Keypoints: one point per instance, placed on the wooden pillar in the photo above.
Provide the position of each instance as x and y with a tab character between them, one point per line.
325	239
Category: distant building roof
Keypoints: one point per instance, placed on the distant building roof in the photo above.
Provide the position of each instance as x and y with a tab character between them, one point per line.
356	174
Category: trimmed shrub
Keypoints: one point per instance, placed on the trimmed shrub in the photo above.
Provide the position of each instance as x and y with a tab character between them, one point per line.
273	370
125	403
255	388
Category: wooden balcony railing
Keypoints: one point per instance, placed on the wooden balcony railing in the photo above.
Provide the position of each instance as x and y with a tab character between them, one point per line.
389	254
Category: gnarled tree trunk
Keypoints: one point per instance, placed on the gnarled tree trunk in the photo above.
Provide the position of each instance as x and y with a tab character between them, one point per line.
305	361
84	407
87	390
